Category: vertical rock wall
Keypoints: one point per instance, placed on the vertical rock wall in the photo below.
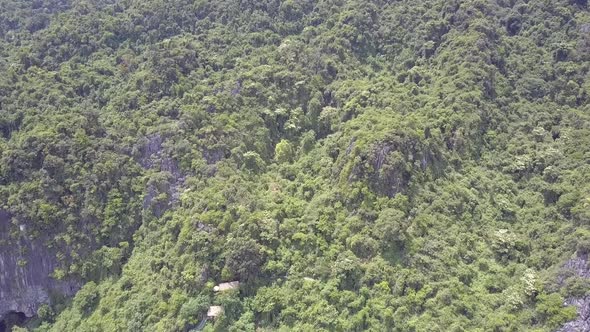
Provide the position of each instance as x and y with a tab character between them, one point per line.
577	266
25	266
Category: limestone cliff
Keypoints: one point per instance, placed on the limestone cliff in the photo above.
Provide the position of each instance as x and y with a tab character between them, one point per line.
25	269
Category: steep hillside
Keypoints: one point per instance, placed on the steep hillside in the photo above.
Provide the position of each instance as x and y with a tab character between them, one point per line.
355	165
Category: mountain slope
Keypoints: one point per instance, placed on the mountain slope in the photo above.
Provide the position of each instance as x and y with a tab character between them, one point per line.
355	165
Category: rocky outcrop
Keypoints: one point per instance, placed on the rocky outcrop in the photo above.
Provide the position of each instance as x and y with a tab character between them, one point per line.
579	267
26	264
25	269
153	157
582	323
390	165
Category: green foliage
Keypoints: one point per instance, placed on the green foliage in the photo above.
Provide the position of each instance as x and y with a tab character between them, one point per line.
46	313
87	298
192	310
356	165
284	152
253	161
551	309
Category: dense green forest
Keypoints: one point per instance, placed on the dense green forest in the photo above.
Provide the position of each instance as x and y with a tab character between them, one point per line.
356	165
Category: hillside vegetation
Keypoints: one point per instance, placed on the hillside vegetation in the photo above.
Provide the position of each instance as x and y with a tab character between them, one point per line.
356	165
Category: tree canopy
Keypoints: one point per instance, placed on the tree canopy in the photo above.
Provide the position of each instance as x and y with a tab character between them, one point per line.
356	165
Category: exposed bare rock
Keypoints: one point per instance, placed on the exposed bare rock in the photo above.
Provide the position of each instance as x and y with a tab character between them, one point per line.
582	323
579	267
213	156
151	150
154	157
389	165
26	266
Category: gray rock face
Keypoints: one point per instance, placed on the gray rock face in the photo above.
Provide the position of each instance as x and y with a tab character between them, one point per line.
579	267
582	323
25	267
155	157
